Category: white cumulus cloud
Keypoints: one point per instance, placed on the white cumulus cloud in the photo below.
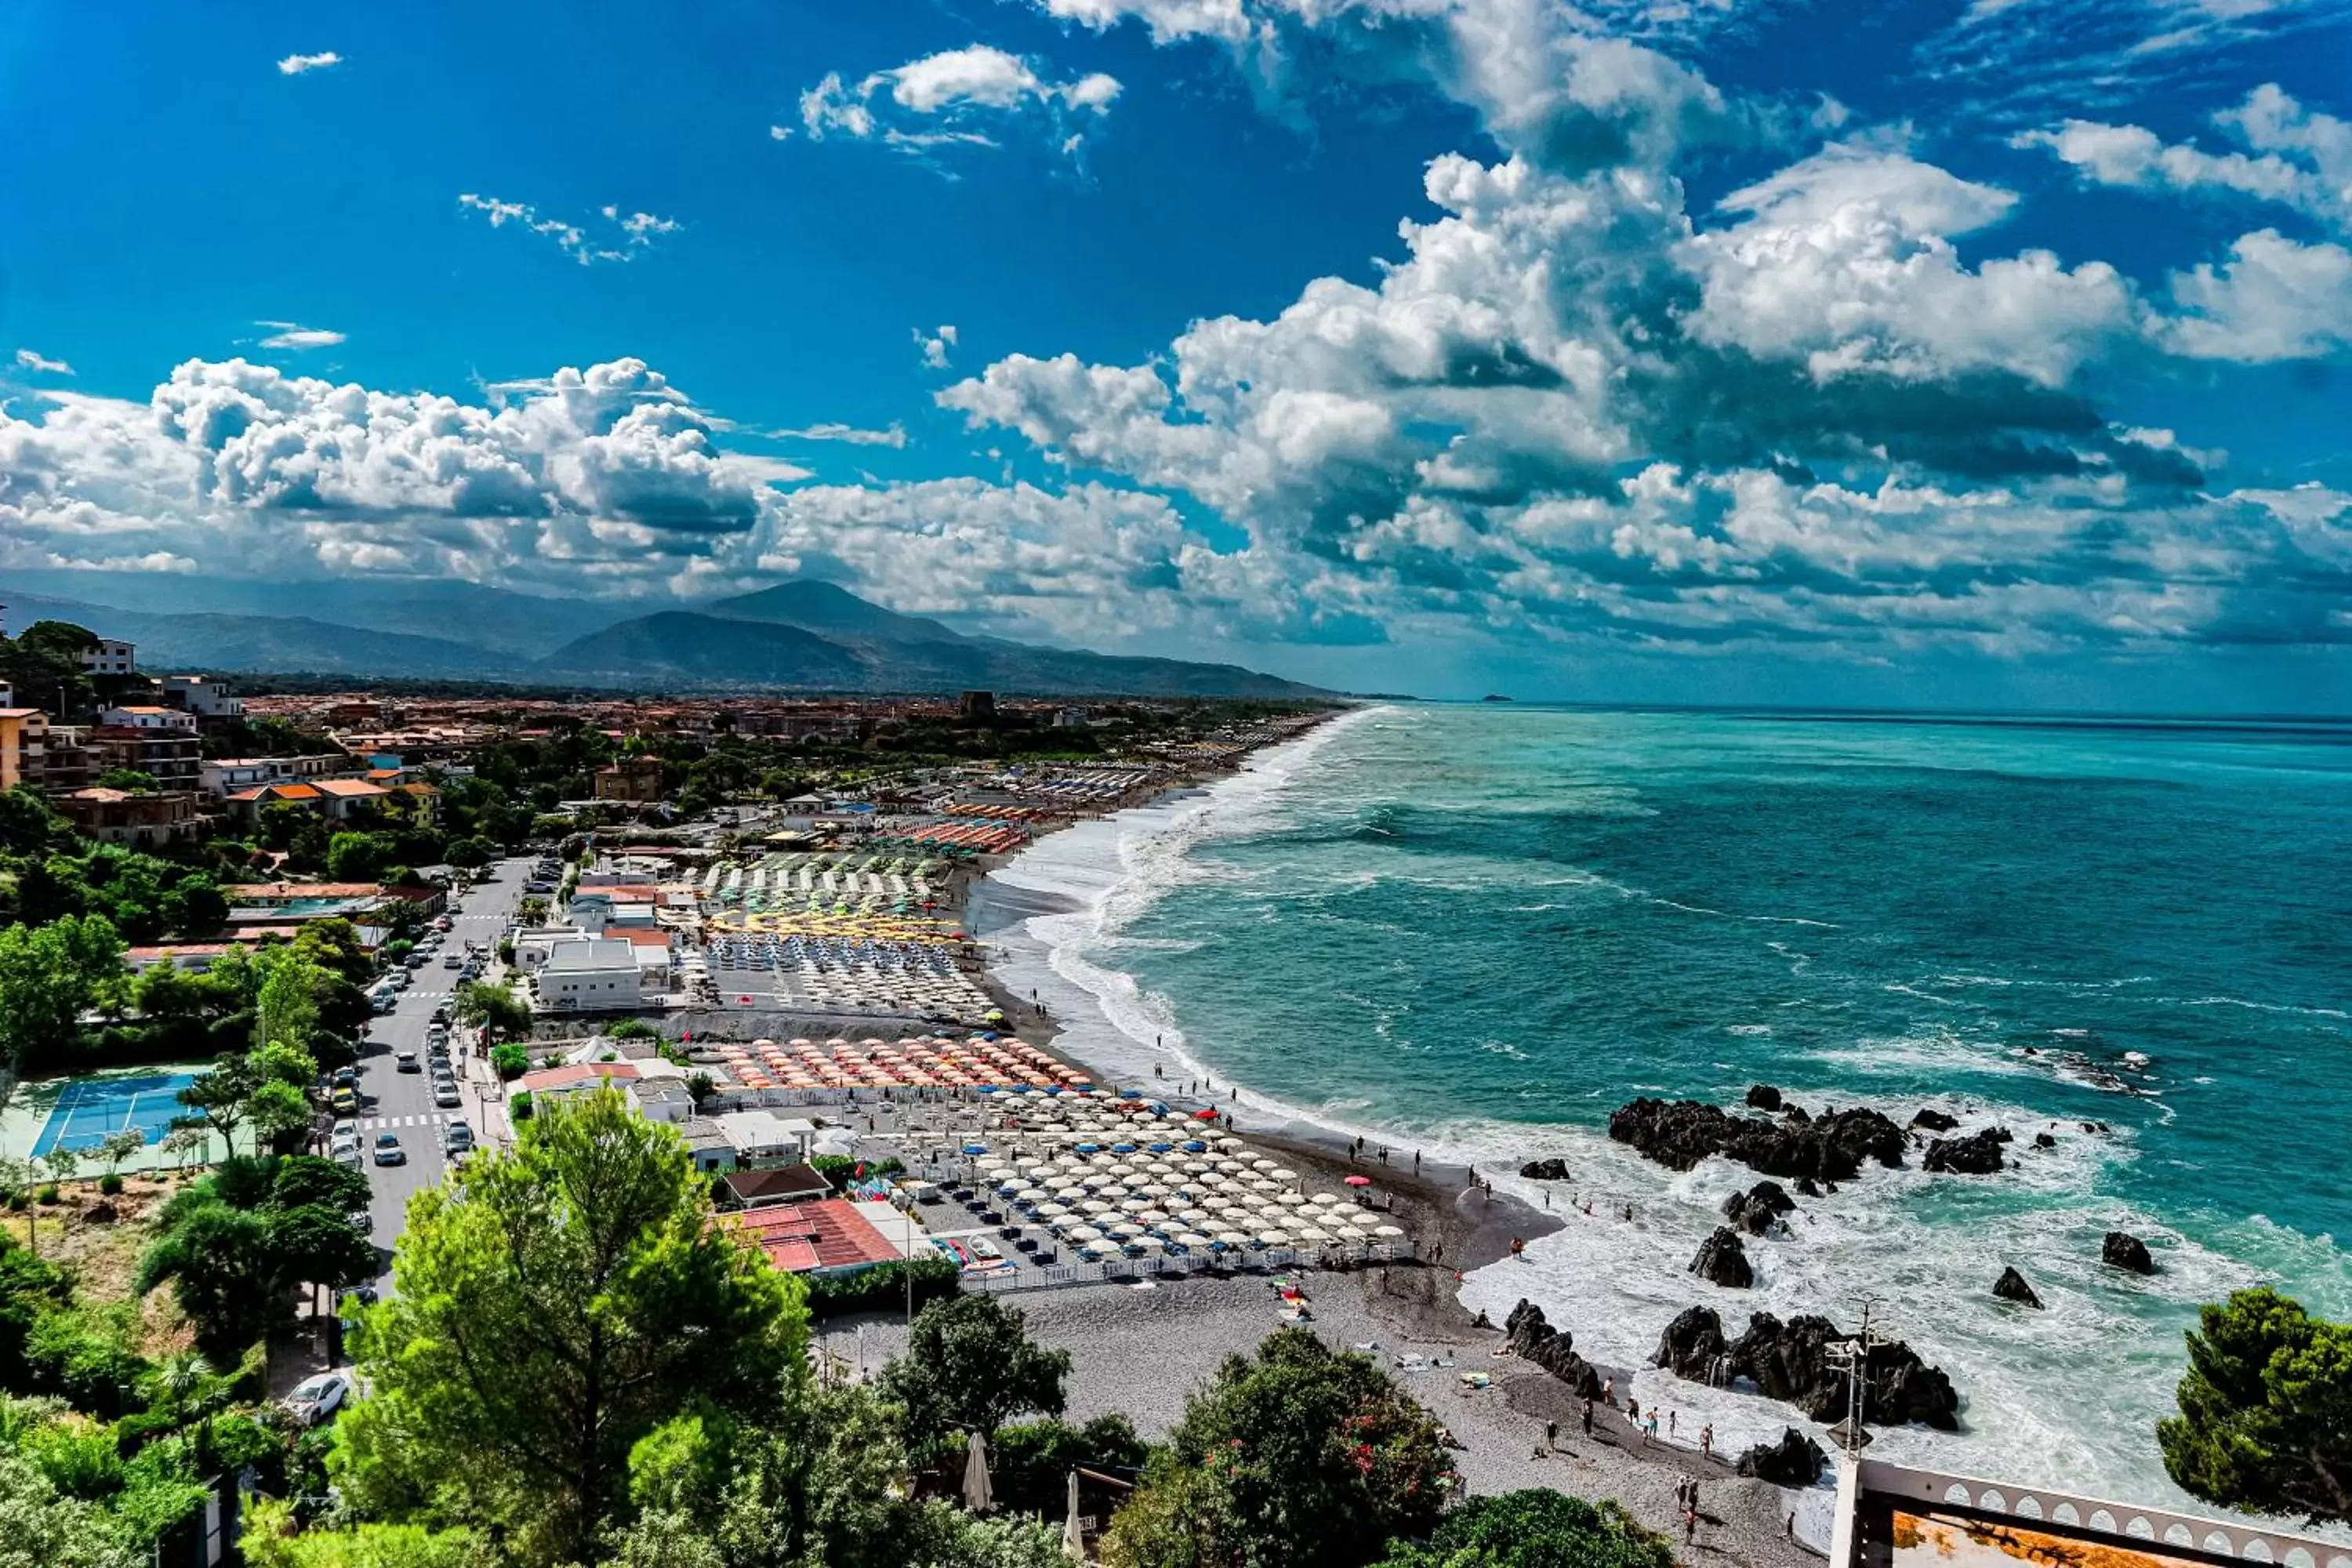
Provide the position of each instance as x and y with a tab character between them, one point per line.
294	335
957	96
40	364
623	237
295	65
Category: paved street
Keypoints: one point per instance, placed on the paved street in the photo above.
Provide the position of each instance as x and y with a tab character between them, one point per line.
403	1102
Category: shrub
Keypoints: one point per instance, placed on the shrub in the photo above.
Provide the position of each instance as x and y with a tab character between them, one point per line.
632	1030
518	1106
884	1286
50	1193
110	1183
510	1060
842	1169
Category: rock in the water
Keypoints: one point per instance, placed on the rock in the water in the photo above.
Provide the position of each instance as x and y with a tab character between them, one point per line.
1763	1097
1692	1345
2011	1287
1796	1460
1724	1260
2126	1252
2043	1141
1790	1361
1978	1154
1545	1170
1757	1210
1831	1146
1533	1340
1933	1119
1807	1187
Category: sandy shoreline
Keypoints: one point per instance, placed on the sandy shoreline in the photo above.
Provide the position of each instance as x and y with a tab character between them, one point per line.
1179	1332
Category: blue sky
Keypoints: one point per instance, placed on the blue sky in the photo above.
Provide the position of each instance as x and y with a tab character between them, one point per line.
1987	352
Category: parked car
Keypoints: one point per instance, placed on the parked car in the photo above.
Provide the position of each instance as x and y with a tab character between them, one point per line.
445	1094
452	959
318	1396
362	1221
388	1151
457	1138
345	1101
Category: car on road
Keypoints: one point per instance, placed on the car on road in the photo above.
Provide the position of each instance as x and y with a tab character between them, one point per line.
405	1059
318	1396
415	960
362	1220
453	959
388	1151
442	923
445	1094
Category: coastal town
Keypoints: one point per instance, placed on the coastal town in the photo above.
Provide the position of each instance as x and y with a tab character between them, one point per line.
745	927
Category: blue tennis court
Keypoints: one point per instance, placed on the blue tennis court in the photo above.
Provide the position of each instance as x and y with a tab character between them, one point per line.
93	1109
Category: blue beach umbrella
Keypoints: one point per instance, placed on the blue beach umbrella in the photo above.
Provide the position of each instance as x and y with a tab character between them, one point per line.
975	1148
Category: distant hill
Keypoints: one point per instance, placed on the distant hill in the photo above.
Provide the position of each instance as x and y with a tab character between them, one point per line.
805	635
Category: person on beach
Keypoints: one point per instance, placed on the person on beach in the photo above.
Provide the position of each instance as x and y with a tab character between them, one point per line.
1416	1162
1609	1392
1551	1437
1669	1422
1650	1431
1518	1247
1588	1417
1707	1441
1690	1525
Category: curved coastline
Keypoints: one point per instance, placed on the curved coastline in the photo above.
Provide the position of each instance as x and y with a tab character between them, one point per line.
1617	1280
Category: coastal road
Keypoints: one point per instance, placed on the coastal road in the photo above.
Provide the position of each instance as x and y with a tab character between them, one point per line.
402	1102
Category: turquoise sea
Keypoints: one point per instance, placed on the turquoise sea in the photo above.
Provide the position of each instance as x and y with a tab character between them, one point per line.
1477	931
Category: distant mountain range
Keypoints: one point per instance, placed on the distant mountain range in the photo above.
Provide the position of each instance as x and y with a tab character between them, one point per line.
805	635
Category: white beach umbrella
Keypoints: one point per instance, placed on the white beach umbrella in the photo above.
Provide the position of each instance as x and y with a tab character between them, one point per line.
1294	1199
1152	1217
1364	1219
1313	1234
1051	1211
1082	1234
1191	1238
1387	1231
1274	1238
1074	1531
1261	1164
1232	1238
1283	1173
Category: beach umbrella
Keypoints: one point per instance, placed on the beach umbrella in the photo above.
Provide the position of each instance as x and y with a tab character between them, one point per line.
1082	1234
1293	1200
1283	1173
1191	1238
1272	1239
978	1496
1360	1181
1364	1219
1074	1532
1313	1234
1387	1230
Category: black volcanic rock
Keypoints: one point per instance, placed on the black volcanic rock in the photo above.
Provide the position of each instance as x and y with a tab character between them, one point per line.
1790	1361
2126	1252
1763	1097
1807	1187
1553	1170
1533	1340
1722	1260
1978	1154
2011	1287
2044	1141
1831	1146
1934	1120
1757	1210
1796	1460
1692	1344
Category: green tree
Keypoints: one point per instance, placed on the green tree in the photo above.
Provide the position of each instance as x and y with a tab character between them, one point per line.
286	1005
130	781
219	1096
1302	1455
236	1244
270	1540
492	1007
360	857
117	1147
555	1304
49	974
2265	1420
970	1365
40	1528
1534	1528
1030	1462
